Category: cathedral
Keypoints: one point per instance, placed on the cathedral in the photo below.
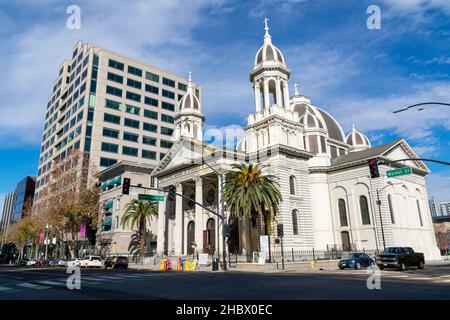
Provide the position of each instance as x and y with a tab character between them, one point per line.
329	199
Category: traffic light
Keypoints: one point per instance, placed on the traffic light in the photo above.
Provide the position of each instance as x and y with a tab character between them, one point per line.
280	230
373	167
126	186
172	193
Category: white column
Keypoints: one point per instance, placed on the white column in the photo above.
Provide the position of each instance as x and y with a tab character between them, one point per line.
278	93
199	227
161	227
286	95
266	93
178	228
257	97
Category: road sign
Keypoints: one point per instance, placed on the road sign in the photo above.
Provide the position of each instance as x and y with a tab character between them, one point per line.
399	172
151	197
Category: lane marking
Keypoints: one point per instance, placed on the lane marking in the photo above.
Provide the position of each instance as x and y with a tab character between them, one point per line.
52	283
7	289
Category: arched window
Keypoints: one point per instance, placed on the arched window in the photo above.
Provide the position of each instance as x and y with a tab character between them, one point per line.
391	209
342	213
292	184
418	211
364	207
295	222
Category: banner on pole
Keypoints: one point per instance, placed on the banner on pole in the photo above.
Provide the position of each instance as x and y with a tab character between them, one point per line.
83	230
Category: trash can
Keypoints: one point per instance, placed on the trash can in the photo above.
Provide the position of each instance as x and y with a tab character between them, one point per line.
215	265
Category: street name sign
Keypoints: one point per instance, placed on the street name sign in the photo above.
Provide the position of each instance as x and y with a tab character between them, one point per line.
399	172
151	197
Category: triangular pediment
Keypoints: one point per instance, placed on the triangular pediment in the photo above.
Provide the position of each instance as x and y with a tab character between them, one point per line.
402	150
185	152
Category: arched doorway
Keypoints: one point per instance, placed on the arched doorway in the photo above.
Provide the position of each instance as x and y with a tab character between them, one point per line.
209	237
190	237
345	238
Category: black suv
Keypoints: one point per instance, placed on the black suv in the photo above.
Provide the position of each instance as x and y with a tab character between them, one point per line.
116	263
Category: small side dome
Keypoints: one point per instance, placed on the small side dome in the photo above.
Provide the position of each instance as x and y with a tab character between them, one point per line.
189	100
357	140
268	52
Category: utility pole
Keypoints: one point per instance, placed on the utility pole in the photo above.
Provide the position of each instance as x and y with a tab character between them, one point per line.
381	218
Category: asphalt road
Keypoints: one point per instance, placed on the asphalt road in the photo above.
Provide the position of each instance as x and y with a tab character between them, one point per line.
37	283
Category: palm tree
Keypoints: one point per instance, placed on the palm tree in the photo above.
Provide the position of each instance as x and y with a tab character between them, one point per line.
137	213
252	194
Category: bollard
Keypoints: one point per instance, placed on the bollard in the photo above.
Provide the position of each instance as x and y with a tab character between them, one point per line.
311	265
163	265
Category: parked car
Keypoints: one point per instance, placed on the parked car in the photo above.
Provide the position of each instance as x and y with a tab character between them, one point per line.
62	263
116	262
91	261
400	258
356	261
53	263
31	262
74	263
42	263
21	262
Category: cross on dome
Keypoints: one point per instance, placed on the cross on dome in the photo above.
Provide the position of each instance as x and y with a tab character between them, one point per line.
296	89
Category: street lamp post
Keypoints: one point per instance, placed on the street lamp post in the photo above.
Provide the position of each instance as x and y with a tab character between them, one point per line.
47	226
222	213
381	218
420	105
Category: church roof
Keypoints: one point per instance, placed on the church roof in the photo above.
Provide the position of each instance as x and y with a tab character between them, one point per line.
364	154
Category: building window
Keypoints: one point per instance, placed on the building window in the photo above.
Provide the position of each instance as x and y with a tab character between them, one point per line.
132	109
106	162
110	133
151	89
364	207
168	106
152	77
115	64
182	87
167	118
391	209
168	94
112	104
166	131
166	144
129	151
130	137
168	82
115	77
295	222
292	184
151	114
149	141
147	154
114	91
110	147
131	123
342	213
135	71
111	118
133	96
150	127
134	84
418	211
151	102
161	156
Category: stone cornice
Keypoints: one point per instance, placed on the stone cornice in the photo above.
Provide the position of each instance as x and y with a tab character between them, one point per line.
260	69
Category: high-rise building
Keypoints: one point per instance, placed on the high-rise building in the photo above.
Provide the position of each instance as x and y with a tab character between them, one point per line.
111	108
435	209
445	208
6	214
23	198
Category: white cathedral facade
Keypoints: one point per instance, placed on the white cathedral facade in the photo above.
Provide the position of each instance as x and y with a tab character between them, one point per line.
329	199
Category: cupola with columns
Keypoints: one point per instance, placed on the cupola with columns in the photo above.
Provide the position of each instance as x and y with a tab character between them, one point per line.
270	75
189	117
357	140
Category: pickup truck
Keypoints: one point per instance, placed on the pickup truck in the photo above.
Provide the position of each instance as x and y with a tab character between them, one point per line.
400	258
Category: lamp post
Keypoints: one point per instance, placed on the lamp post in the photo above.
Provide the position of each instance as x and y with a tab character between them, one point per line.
222	213
420	105
379	211
47	226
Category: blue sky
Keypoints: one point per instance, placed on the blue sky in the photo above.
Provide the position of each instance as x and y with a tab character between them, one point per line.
358	75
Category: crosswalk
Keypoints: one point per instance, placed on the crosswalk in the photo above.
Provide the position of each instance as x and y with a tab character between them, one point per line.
61	282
